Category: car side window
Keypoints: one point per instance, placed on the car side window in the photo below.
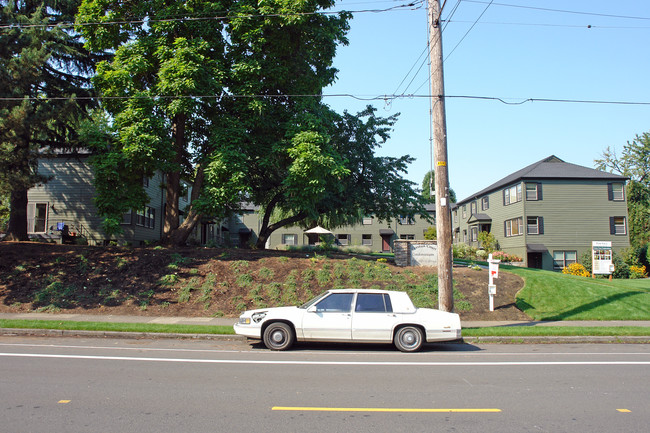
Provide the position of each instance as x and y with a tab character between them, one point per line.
336	302
373	303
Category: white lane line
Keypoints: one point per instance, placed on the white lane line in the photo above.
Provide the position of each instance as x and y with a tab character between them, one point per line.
350	363
328	352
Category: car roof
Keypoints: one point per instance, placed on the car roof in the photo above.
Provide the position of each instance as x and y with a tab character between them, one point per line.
360	291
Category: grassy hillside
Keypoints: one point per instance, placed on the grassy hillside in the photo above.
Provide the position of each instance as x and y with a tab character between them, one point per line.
555	296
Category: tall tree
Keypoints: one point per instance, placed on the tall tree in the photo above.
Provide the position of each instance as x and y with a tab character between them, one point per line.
633	162
429	188
160	90
44	93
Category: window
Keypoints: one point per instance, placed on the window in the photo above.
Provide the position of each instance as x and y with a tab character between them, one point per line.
562	259
533	191
473	234
336	302
36	217
146	217
534	225
485	203
366	240
407	237
615	191
343	239
456	216
472	208
617	226
373	303
127	217
290	239
464	211
406	220
512	195
145	181
465	236
367	221
514	227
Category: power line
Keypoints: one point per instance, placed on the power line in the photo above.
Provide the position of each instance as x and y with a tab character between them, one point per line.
469	30
411	5
629	17
504	100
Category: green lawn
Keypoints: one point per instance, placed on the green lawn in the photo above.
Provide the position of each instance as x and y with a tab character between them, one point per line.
554	296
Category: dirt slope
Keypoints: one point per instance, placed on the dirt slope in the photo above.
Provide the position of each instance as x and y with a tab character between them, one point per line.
203	282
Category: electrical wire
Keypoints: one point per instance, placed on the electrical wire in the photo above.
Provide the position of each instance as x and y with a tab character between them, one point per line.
563	10
469	30
411	5
504	100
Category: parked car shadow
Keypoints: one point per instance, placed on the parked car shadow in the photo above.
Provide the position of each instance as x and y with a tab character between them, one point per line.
455	346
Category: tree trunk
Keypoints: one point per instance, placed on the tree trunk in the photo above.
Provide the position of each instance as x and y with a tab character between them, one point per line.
173	182
179	235
267	229
17	228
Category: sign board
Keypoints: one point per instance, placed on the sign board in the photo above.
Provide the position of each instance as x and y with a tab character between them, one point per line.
601	257
492	289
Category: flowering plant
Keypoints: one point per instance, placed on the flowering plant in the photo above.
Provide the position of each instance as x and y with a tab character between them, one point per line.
576	269
505	257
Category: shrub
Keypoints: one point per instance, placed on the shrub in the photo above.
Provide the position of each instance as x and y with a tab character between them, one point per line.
637	272
576	269
505	257
481	254
488	241
430	234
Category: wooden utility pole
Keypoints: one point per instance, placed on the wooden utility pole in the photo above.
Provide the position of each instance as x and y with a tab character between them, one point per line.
443	212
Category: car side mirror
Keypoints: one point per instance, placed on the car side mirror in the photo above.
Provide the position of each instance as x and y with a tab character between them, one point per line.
311	309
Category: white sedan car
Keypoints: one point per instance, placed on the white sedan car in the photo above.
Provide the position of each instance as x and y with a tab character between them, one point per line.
351	315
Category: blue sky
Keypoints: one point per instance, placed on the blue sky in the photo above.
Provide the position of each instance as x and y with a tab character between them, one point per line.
511	53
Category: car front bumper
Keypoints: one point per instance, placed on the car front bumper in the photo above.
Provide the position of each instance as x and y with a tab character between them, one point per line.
248	331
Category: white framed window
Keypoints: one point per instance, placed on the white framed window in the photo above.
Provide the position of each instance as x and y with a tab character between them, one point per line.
127	217
473	234
37	217
407	237
485	203
616	191
366	240
344	239
406	220
289	239
534	225
465	236
512	195
514	227
562	259
146	217
456	216
367	221
473	208
532	191
464	211
617	225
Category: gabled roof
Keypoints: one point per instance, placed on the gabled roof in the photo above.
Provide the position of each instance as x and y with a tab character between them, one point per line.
548	168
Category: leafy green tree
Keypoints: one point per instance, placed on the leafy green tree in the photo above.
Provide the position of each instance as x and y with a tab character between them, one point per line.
352	183
429	188
44	94
487	241
164	118
634	162
430	234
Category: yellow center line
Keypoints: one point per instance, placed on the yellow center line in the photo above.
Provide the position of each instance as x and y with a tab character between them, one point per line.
624	410
382	409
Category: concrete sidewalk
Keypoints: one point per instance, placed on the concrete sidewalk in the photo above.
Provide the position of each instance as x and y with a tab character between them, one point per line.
229	321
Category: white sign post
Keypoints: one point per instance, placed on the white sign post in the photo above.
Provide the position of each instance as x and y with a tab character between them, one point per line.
601	258
493	269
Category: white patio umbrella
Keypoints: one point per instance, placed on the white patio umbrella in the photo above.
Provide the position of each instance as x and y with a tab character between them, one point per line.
318	230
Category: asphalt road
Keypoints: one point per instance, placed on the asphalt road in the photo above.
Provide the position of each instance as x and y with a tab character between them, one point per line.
105	385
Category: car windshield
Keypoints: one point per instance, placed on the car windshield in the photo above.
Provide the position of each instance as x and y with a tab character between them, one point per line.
313	301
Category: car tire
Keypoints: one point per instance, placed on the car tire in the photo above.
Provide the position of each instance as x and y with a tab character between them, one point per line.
408	339
278	336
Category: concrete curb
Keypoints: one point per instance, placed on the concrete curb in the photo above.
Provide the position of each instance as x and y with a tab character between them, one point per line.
220	337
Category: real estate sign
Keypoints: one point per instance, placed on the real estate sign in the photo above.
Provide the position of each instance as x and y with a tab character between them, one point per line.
601	255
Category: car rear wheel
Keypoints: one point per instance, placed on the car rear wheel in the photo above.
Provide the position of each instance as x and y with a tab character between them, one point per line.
278	336
408	339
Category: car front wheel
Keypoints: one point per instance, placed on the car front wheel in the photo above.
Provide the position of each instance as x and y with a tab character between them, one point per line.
409	339
278	336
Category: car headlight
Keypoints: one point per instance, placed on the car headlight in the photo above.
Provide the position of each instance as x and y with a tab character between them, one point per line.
257	317
244	320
